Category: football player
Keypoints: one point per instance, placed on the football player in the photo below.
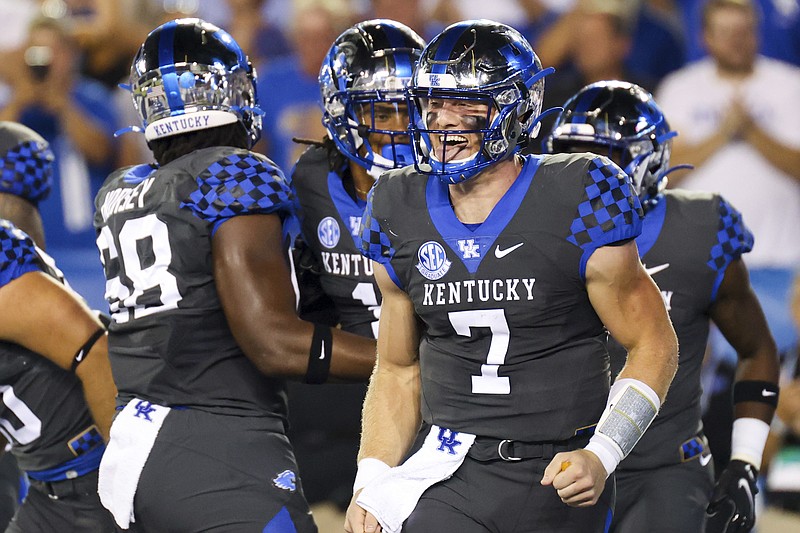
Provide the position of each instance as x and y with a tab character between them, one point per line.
498	272
692	244
55	378
204	331
362	82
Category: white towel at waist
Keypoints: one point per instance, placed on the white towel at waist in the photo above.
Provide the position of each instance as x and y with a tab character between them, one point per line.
133	434
393	495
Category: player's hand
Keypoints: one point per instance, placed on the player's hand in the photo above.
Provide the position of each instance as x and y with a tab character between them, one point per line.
578	476
358	520
732	507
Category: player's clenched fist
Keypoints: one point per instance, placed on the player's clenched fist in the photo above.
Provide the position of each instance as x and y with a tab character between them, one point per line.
577	476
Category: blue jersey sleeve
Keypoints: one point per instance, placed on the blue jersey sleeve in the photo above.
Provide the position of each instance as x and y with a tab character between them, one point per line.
733	240
17	253
610	211
240	184
372	241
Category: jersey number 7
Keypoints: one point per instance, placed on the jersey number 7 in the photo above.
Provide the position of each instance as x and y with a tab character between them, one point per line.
494	319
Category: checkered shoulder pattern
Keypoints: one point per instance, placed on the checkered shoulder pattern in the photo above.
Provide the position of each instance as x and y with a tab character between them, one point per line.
610	212
373	242
239	184
17	253
27	171
733	237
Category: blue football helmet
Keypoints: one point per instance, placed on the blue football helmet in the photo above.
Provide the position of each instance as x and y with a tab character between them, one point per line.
362	85
26	163
489	68
190	75
621	121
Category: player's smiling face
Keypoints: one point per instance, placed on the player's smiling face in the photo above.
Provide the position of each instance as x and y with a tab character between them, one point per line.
386	116
456	115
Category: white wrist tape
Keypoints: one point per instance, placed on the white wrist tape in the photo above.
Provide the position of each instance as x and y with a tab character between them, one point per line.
632	406
748	439
368	469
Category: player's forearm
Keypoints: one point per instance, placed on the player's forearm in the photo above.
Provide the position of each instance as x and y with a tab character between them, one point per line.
98	386
759	367
684	153
655	361
391	415
783	157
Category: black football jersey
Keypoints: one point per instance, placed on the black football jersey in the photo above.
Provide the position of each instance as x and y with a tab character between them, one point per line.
330	222
688	240
43	413
169	341
511	346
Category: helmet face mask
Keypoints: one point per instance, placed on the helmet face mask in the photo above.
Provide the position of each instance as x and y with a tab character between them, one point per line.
191	75
469	116
621	121
362	85
488	71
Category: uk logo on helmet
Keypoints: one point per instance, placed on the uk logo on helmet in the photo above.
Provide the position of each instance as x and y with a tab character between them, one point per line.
328	232
433	262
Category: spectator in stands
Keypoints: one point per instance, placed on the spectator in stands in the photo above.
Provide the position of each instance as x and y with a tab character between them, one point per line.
779	28
599	39
288	87
264	39
74	115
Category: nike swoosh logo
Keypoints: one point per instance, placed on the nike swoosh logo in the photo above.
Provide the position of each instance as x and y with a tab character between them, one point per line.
704	459
766	393
656	269
498	253
745	486
82	354
322	350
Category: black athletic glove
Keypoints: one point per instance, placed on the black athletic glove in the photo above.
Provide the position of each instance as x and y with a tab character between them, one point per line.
732	508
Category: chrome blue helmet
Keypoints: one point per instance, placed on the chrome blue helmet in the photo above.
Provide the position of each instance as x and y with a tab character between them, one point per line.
190	75
362	84
622	121
493	70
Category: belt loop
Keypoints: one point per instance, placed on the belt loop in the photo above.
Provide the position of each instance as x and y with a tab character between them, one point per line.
547	450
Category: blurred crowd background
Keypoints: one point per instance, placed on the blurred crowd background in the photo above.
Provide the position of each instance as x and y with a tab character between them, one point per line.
64	61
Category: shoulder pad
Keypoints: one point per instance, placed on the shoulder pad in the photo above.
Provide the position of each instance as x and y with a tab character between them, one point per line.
17	253
373	242
239	183
733	237
27	171
609	211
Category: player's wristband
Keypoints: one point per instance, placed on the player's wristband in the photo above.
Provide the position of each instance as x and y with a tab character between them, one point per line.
368	469
632	406
83	351
748	439
319	357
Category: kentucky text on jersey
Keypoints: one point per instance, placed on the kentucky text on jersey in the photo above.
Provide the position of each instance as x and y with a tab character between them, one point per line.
484	290
343	264
124	198
189	123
